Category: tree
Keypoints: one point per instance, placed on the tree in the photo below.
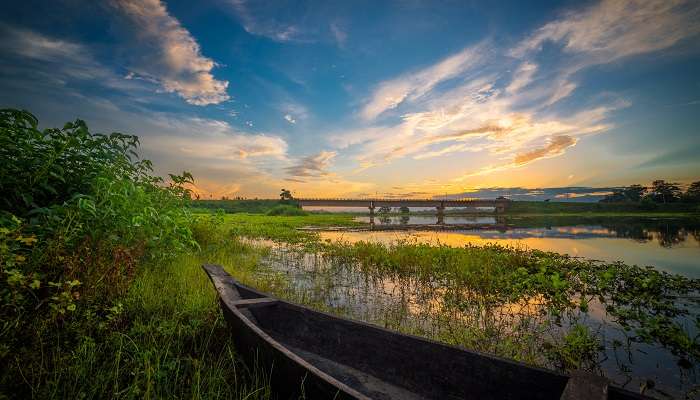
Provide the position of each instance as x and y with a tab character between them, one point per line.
384	210
693	193
634	192
404	210
664	192
286	195
617	196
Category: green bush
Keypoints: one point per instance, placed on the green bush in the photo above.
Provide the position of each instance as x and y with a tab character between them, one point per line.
286	210
78	217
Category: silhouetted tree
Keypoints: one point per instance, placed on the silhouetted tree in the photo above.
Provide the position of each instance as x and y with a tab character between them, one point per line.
664	192
634	192
384	210
693	193
617	196
404	210
285	195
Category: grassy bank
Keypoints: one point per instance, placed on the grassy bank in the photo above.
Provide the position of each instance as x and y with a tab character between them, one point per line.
261	206
534	208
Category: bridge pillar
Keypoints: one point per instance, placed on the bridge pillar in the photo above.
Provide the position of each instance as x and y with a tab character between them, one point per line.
441	213
371	209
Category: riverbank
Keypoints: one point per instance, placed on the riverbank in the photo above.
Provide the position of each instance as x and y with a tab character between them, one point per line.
537	208
515	208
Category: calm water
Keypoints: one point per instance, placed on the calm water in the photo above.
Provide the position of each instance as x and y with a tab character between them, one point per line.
672	245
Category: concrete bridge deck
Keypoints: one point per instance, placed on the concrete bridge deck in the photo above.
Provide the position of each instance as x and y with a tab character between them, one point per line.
499	205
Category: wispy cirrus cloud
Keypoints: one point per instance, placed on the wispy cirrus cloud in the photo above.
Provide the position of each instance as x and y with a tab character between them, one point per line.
213	140
613	29
412	86
609	31
339	34
566	193
313	166
293	112
168	54
253	19
499	101
53	61
556	145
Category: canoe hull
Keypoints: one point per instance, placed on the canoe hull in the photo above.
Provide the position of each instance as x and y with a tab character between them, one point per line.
289	378
317	355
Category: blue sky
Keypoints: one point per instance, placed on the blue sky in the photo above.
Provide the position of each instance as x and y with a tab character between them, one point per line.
404	98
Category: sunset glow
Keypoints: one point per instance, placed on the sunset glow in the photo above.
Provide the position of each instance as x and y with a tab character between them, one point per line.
407	99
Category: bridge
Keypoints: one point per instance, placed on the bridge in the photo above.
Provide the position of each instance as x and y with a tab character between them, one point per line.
499	204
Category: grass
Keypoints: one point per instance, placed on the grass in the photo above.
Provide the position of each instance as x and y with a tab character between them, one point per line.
283	228
258	206
535	208
166	339
286	210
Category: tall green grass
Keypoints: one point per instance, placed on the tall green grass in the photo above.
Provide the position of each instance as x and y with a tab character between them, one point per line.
101	291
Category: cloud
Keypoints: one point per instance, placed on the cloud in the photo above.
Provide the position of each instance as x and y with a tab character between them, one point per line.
567	193
339	34
609	31
252	17
522	77
556	145
172	57
687	155
293	112
212	140
472	102
35	46
312	166
474	126
412	86
613	29
54	61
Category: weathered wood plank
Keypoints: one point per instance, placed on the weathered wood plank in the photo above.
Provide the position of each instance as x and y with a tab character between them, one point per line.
585	386
249	303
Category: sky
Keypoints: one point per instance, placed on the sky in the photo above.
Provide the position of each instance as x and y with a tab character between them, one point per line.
402	98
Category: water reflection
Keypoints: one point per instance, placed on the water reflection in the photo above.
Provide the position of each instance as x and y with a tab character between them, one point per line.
666	232
672	245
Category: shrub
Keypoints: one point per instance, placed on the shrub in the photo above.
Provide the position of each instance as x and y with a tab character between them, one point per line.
286	210
79	214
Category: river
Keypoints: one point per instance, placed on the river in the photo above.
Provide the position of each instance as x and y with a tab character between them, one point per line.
669	244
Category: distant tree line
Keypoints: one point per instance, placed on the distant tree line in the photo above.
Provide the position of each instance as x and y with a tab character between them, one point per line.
660	192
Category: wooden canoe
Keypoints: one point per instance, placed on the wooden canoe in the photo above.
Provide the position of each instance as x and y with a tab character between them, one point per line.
314	355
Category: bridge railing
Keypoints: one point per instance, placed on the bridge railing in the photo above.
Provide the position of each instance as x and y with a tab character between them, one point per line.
465	200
